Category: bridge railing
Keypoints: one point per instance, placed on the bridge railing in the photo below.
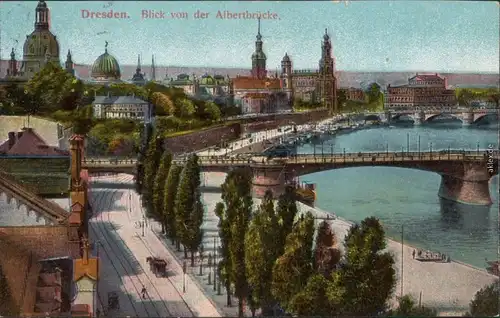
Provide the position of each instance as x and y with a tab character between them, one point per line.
115	162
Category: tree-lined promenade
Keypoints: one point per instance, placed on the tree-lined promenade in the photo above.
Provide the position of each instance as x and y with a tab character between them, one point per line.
271	257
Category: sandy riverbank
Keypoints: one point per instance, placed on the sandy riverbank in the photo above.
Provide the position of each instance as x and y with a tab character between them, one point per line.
448	287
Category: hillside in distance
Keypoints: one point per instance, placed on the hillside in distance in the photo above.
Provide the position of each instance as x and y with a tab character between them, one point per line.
346	78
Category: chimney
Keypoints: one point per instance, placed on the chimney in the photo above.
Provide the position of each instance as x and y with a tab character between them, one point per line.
12	139
76	150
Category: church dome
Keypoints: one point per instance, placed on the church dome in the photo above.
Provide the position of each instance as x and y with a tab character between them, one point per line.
106	67
286	58
40	43
207	80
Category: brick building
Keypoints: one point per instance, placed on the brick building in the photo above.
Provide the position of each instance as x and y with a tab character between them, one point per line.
423	91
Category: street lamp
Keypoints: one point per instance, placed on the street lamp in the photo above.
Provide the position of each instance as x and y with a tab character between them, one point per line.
402	258
478	147
344	153
215	264
408	142
419	146
331	149
387	148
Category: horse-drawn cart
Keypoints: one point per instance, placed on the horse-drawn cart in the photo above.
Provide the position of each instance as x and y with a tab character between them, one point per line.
158	266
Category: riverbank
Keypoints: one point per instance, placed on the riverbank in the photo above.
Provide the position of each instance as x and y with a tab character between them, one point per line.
448	287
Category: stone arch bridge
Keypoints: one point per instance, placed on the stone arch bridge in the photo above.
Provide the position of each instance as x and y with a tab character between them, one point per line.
466	116
465	175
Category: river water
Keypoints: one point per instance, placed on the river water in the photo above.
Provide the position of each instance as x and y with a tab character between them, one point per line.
407	199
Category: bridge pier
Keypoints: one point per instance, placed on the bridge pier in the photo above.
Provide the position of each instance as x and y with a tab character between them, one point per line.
467	118
268	178
469	185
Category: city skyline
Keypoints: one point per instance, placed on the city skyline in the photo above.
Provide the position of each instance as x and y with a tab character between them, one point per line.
459	36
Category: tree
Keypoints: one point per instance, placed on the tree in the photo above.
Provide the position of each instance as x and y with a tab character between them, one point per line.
197	211
312	300
212	111
234	217
163	103
341	98
151	163
408	308
225	238
170	189
293	269
486	301
493	95
239	195
261	252
159	187
465	97
367	278
286	210
326	255
53	88
185	108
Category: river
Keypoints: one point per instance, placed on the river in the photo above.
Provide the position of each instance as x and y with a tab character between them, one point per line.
407	199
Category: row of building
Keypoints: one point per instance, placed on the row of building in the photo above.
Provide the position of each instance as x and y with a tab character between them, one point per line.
260	92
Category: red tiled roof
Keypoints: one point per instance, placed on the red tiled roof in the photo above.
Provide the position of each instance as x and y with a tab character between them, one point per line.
255	83
29	143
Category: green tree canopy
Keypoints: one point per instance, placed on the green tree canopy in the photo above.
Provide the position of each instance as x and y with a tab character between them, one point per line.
170	189
287	211
53	88
312	300
486	301
163	104
293	269
159	187
185	108
212	111
151	162
261	252
225	238
367	278
326	254
408	308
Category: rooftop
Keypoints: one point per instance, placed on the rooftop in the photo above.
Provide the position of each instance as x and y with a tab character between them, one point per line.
110	100
28	143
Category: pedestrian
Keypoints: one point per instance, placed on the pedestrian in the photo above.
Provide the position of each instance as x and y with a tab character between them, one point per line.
143	292
413	254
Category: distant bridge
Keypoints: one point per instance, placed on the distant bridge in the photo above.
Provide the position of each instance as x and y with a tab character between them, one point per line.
419	116
465	174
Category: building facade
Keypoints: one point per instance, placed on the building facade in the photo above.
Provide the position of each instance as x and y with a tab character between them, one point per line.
423	91
129	107
214	88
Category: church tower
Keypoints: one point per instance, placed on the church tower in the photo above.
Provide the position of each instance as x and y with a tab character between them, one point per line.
138	78
153	69
259	58
68	65
41	16
286	77
327	80
12	70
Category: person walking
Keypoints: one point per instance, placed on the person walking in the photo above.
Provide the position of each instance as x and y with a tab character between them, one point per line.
143	292
413	254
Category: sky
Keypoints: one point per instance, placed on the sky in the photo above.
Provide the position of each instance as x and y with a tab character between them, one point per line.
441	36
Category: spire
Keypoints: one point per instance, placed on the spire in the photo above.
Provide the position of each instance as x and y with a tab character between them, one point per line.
153	70
259	36
69	64
13	55
138	69
68	57
106	47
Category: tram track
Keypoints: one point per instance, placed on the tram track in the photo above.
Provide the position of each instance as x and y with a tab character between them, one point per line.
155	309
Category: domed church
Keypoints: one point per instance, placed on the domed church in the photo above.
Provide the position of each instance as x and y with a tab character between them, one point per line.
106	69
40	47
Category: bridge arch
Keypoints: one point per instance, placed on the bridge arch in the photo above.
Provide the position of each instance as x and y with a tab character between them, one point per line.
372	117
403	117
433	117
486	118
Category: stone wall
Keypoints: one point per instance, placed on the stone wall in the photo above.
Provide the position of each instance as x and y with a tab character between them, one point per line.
202	139
214	136
45	176
50	131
